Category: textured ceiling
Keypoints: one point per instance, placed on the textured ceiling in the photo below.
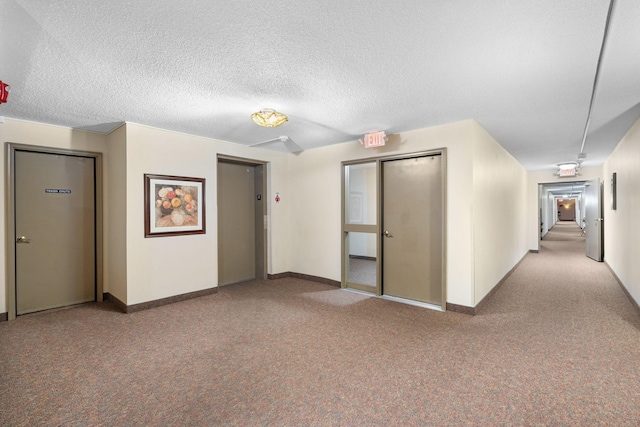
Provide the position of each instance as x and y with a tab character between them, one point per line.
339	69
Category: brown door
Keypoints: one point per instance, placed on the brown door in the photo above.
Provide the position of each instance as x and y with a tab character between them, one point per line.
412	224
55	225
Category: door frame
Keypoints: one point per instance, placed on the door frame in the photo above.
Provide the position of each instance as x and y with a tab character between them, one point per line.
347	228
263	275
10	241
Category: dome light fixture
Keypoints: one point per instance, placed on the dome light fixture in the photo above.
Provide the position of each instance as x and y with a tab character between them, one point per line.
269	118
567	165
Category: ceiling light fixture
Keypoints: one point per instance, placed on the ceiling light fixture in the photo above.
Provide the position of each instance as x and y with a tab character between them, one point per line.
567	169
567	165
269	118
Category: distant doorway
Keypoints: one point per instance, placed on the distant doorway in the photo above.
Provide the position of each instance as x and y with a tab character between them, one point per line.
573	202
566	209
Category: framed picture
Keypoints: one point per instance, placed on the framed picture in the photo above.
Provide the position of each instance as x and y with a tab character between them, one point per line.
173	206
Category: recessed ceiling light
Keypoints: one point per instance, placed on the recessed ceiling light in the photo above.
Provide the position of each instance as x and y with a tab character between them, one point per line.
269	118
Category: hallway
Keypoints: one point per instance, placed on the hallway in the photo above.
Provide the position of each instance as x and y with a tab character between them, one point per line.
575	329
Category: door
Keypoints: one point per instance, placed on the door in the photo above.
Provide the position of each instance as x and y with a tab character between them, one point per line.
413	228
241	225
593	219
55	228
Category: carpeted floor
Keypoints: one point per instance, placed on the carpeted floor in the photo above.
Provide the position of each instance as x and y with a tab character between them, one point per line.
362	271
558	344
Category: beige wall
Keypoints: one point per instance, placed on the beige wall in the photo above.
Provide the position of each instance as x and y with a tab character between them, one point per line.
622	235
165	266
316	194
115	216
499	213
304	228
29	133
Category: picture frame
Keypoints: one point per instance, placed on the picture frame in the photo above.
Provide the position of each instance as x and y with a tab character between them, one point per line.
173	205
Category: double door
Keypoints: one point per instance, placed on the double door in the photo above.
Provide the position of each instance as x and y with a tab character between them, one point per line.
405	222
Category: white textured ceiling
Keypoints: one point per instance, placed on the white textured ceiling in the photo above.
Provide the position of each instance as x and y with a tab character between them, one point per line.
339	69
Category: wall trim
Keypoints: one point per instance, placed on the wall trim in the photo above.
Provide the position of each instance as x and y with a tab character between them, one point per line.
159	302
115	301
624	289
456	308
4	317
308	277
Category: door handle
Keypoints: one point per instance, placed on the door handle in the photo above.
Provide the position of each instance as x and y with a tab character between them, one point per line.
387	234
23	239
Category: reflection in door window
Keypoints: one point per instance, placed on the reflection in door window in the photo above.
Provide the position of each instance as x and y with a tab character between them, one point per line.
361	193
362	258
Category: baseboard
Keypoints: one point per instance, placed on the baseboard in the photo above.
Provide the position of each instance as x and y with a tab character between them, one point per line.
534	251
456	308
159	302
305	277
474	310
278	276
4	317
624	289
107	297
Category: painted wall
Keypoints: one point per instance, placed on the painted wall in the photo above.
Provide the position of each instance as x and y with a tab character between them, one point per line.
498	213
115	217
29	133
315	232
166	266
547	177
621	232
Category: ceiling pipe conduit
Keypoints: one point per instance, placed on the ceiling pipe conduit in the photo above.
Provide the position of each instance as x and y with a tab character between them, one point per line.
596	79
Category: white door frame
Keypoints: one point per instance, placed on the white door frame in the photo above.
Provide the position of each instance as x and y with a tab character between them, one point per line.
10	241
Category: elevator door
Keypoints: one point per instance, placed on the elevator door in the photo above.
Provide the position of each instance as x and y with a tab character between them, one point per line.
412	224
55	223
241	223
